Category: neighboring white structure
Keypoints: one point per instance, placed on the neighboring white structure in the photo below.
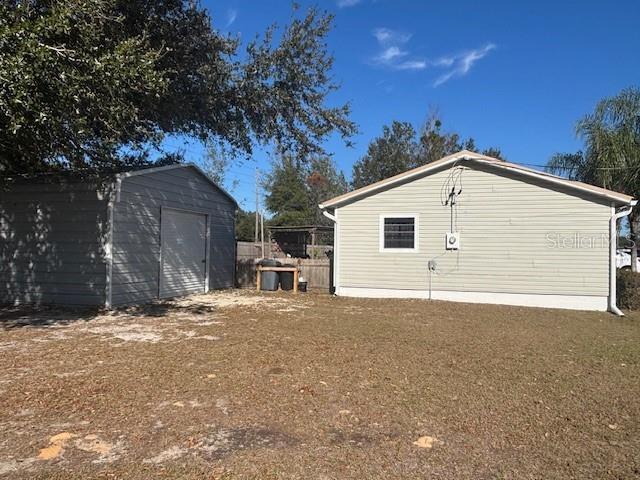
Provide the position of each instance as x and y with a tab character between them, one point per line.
623	260
472	228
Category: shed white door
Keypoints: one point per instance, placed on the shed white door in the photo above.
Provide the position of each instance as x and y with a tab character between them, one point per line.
183	240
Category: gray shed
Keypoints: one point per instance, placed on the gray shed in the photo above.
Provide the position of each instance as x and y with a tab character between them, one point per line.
142	235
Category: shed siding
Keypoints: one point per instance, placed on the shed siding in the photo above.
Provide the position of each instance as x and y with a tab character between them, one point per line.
51	244
136	230
508	228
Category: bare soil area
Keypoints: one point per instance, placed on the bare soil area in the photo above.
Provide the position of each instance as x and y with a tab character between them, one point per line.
235	385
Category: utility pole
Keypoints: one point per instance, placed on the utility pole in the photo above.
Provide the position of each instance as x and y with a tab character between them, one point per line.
255	230
262	231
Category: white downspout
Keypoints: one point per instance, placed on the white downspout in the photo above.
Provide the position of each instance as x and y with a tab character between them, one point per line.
329	216
335	247
613	244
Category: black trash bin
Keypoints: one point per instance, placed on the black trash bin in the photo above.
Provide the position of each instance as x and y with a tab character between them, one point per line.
286	279
269	280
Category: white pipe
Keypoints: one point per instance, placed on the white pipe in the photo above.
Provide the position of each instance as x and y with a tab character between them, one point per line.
329	216
613	244
335	248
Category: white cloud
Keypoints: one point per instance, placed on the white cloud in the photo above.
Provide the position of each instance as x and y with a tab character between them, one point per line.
232	15
390	42
443	62
386	36
412	65
461	63
347	3
388	54
393	53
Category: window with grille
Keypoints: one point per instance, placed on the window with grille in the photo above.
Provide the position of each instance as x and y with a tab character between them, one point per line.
399	233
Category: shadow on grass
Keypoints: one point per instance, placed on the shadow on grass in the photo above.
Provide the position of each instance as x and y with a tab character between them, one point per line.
44	316
50	316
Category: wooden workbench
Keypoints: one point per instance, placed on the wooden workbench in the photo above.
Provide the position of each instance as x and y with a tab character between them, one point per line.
261	268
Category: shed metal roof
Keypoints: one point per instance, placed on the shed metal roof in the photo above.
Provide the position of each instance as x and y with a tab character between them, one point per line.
145	171
75	176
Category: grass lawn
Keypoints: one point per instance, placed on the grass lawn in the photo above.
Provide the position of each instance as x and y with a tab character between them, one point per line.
237	385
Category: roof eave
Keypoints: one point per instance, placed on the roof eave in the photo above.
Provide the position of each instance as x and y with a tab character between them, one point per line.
402	177
144	171
578	186
483	159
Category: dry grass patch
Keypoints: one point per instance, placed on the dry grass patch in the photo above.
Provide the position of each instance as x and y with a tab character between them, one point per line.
240	385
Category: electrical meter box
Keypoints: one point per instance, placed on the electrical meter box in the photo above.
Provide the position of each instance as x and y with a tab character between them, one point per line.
452	240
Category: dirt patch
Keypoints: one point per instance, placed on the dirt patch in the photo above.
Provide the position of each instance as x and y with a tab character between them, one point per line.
172	453
106	452
427	442
128	333
227	441
56	446
223	442
13	466
237	385
239	299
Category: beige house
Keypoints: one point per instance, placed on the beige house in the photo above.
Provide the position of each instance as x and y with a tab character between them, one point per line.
472	228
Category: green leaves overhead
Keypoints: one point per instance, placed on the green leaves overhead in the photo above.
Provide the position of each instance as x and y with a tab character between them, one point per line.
392	153
96	84
398	150
295	190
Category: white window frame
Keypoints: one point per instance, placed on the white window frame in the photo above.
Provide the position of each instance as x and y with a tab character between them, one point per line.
416	232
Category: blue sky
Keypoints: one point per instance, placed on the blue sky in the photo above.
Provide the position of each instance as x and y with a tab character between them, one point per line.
510	74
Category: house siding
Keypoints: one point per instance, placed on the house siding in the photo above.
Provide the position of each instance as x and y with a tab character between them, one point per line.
52	243
136	230
507	224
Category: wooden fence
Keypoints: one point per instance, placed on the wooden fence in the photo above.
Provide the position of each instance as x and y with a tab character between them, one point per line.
314	271
246	255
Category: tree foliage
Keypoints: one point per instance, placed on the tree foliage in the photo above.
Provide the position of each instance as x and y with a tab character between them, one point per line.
611	157
493	152
294	189
398	150
324	181
245	226
215	163
391	153
287	196
96	84
435	144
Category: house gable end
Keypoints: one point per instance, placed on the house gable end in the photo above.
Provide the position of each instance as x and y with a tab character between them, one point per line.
517	172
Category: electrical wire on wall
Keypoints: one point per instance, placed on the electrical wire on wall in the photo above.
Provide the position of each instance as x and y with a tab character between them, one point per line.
450	192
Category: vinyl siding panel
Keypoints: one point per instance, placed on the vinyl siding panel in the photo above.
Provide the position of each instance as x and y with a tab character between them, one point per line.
136	230
52	243
510	230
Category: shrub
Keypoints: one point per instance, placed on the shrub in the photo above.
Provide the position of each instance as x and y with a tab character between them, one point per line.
629	290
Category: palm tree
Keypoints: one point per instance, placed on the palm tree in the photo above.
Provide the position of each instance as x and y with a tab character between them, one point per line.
611	158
